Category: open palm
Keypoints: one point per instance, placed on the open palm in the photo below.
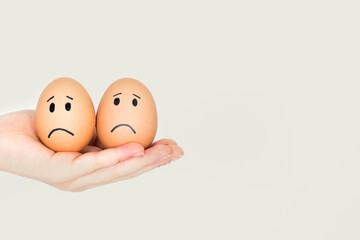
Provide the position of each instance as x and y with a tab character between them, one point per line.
22	153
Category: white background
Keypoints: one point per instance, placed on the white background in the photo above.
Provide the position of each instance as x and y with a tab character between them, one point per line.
263	96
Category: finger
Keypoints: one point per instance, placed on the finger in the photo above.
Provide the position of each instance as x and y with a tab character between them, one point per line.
92	161
122	170
164	141
177	153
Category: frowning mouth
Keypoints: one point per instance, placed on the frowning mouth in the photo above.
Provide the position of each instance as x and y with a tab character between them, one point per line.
60	129
119	125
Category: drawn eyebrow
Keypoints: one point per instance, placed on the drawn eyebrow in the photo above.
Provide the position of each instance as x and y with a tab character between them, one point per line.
50	99
117	94
70	97
137	96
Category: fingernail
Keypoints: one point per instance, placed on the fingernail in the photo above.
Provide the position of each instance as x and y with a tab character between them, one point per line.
139	154
166	157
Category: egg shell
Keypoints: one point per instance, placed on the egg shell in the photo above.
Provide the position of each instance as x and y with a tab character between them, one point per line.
126	113
65	116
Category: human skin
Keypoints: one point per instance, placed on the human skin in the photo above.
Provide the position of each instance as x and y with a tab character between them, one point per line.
22	153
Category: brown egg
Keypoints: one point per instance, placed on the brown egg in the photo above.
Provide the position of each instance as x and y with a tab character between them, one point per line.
126	113
65	116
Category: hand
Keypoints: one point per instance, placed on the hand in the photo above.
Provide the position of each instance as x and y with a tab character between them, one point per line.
22	153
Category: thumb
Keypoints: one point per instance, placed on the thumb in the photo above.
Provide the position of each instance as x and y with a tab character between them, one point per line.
92	161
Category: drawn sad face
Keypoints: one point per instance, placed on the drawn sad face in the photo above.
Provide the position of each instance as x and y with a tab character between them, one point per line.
126	113
65	116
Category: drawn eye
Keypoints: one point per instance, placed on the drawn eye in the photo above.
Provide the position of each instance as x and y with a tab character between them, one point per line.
68	106
52	107
134	102
116	101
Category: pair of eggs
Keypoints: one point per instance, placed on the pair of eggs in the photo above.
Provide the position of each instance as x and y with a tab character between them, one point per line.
65	116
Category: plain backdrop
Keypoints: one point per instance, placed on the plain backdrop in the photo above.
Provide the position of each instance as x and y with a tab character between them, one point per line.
263	96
